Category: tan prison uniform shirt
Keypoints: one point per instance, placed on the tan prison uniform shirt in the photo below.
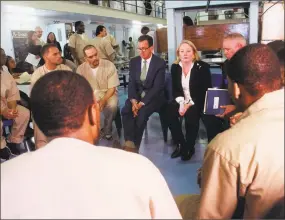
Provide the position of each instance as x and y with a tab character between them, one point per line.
41	71
9	89
78	42
246	161
111	39
106	76
40	42
104	48
103	183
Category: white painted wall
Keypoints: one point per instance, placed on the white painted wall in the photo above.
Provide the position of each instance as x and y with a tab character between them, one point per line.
11	22
273	22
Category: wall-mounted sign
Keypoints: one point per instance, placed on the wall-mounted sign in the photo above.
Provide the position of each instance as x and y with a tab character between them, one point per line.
19	44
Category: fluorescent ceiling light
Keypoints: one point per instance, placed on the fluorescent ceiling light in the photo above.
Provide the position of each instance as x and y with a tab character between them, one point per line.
137	22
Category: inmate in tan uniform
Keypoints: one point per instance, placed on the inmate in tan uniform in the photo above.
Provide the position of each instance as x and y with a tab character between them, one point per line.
10	92
104	48
101	79
246	161
72	179
78	42
40	139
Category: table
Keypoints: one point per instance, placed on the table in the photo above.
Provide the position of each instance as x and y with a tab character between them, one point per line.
25	88
215	62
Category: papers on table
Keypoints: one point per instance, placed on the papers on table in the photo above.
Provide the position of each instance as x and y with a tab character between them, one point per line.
31	58
24	77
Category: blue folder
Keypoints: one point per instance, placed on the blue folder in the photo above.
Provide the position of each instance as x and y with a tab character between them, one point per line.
214	99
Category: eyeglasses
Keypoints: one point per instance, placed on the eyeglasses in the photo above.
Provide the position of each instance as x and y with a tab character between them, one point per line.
142	49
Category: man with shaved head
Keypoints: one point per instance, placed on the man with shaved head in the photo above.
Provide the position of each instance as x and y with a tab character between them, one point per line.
70	178
39	33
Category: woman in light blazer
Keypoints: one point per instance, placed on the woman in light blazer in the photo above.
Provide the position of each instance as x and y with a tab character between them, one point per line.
190	80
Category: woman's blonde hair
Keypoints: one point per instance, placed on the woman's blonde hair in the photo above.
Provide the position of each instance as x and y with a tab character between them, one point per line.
195	51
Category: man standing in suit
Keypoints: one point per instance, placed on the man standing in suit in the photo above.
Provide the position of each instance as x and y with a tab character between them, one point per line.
145	92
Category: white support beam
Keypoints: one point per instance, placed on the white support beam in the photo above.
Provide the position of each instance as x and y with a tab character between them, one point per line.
171	36
253	22
179	26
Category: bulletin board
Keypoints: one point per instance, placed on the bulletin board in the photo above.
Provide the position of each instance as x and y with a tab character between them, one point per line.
210	37
161	40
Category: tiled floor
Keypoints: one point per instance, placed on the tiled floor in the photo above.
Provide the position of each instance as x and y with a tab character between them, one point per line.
180	176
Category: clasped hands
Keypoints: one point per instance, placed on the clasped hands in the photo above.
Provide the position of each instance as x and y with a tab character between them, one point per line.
10	113
136	106
102	104
186	107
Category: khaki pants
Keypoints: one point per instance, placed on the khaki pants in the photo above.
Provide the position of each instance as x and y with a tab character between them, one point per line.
109	113
18	128
105	3
188	205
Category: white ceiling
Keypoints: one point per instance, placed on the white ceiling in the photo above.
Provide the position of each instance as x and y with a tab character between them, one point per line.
62	16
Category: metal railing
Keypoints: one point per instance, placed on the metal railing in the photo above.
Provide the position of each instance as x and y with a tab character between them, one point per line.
150	8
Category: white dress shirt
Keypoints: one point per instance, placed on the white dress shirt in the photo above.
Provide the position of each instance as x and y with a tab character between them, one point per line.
185	80
147	64
72	179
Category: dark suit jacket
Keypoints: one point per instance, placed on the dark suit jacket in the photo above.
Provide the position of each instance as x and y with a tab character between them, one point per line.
36	50
224	69
200	81
153	85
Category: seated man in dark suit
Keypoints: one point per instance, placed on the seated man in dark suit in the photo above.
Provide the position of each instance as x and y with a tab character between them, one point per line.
145	92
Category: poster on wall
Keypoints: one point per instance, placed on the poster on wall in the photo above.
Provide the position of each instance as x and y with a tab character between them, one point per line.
19	44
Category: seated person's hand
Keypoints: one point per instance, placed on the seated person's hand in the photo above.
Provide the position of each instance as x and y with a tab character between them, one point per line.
10	113
16	75
234	119
102	104
228	109
186	107
140	105
135	107
199	172
135	111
